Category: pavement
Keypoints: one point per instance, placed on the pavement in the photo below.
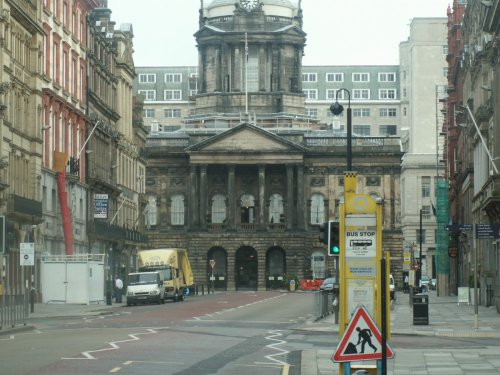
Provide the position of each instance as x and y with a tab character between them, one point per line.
447	319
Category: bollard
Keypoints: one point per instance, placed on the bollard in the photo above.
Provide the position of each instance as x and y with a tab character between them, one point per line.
32	300
489	295
108	297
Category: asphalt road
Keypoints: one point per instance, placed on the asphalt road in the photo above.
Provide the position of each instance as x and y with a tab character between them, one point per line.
244	333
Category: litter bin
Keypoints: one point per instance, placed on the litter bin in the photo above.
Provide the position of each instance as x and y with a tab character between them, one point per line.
420	309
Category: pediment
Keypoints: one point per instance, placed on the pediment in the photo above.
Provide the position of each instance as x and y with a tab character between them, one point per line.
246	138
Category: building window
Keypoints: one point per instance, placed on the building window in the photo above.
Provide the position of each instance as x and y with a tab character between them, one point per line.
149	113
426	212
152	212
309	77
317	209
172	113
276	212
361	94
387	130
173	77
218	209
312	112
333	94
361	112
311	94
149	95
173	95
387	77
147	78
387	112
387	94
361	129
426	187
334	77
247	205
360	77
177	210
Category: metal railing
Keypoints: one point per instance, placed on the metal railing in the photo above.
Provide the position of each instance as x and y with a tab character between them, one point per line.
324	303
13	310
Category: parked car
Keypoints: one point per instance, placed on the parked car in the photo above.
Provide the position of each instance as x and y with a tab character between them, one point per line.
424	282
392	287
328	284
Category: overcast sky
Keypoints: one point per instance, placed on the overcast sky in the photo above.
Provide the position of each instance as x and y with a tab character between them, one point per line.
339	32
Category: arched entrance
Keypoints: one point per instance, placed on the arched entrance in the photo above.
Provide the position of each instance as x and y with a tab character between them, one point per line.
219	255
275	268
246	268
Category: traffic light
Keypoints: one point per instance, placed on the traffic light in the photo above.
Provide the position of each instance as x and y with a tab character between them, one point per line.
333	238
323	233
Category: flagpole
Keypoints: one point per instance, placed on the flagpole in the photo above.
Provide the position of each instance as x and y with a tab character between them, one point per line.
246	76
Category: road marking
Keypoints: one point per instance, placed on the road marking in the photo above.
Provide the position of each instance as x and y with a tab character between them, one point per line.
235	320
113	345
270	357
155	362
234	308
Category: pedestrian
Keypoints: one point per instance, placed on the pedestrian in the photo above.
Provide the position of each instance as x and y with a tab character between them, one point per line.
365	337
118	289
406	283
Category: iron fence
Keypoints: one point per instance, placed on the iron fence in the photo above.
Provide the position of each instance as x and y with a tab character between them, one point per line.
13	310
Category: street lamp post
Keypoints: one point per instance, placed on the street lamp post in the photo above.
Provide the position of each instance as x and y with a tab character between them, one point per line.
419	273
337	108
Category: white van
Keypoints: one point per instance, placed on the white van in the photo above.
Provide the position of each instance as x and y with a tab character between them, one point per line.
145	287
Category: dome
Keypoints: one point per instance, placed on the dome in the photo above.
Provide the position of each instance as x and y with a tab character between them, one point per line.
282	3
283	8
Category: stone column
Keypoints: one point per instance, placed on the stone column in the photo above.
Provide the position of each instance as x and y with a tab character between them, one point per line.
301	198
203	197
217	69
261	266
289	198
231	199
231	282
237	83
262	197
262	71
281	63
193	199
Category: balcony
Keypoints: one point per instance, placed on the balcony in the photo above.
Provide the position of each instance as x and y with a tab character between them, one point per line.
24	209
112	232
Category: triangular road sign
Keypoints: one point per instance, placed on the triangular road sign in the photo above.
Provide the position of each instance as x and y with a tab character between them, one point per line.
362	340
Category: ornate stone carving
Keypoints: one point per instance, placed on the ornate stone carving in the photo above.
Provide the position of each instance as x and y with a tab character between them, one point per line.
177	181
373	181
317	181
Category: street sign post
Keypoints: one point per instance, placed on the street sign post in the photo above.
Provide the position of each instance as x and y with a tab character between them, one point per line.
27	254
362	331
360	259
